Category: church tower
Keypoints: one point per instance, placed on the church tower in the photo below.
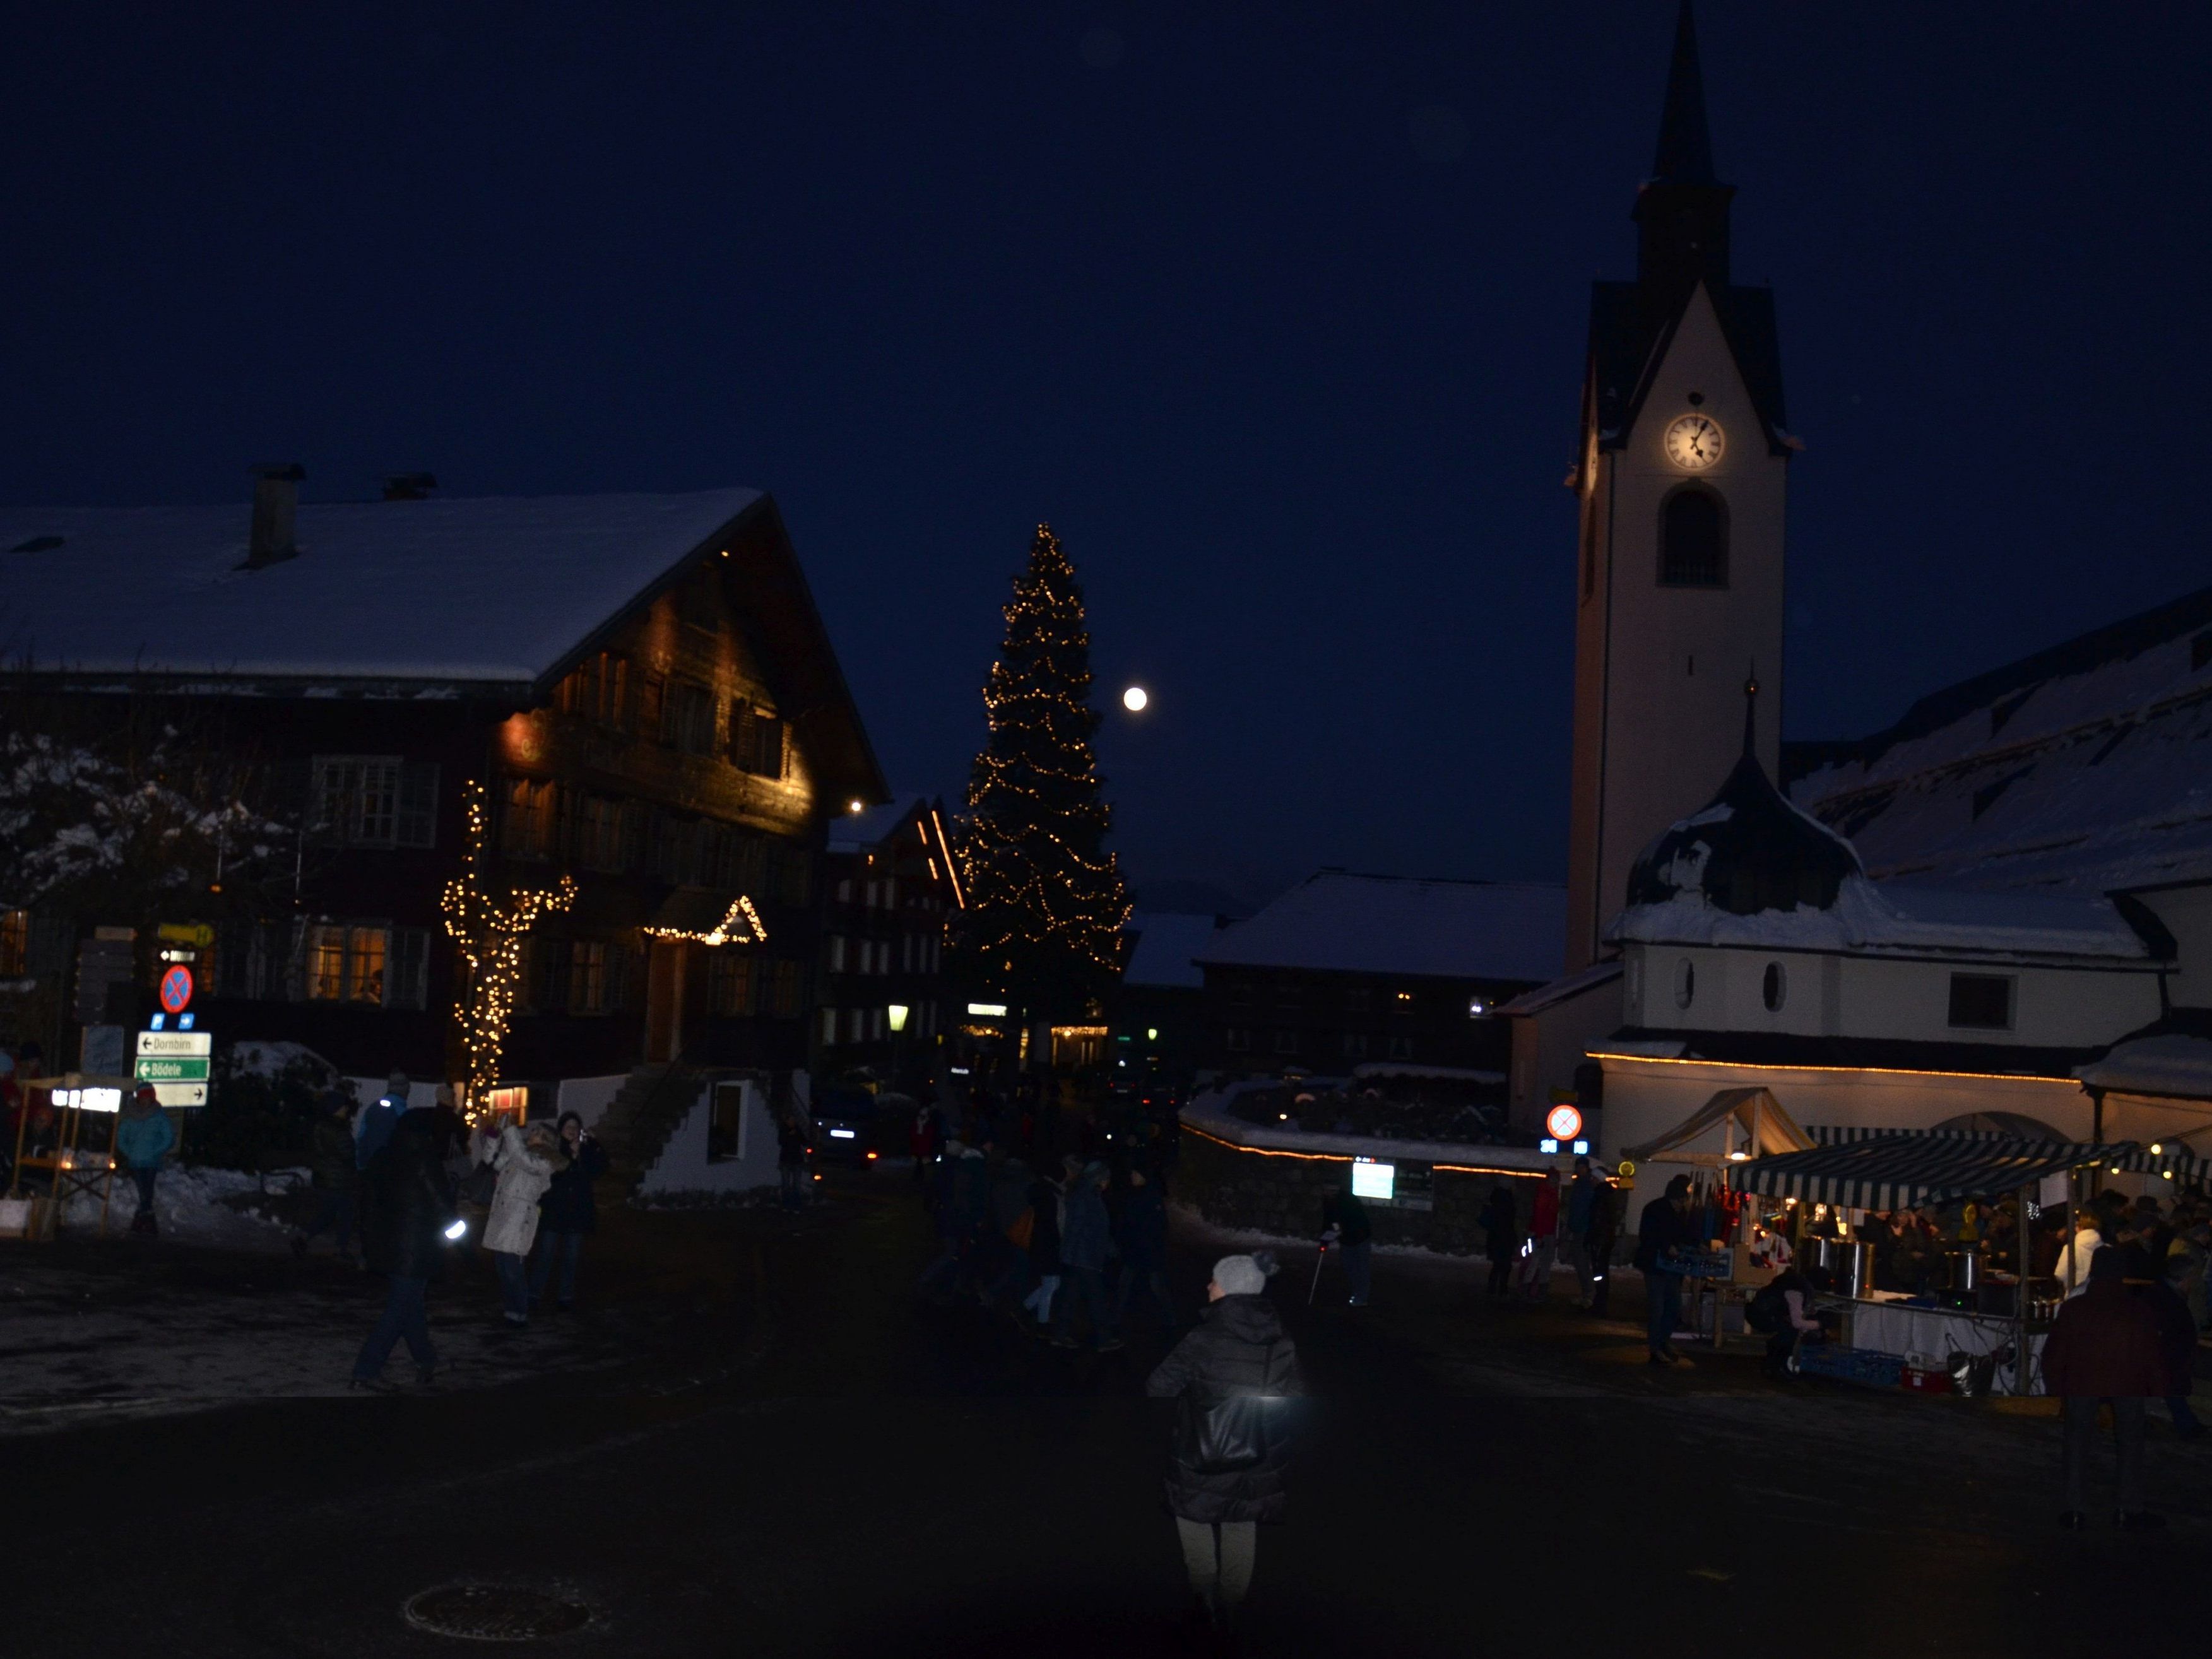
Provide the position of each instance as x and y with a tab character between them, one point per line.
1680	486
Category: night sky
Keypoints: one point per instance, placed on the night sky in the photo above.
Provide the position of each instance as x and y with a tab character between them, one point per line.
1275	312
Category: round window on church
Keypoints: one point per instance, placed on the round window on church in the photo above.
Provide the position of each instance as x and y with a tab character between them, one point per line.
1686	983
1776	989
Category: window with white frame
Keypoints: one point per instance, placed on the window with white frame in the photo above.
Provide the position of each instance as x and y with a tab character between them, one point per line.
373	800
354	962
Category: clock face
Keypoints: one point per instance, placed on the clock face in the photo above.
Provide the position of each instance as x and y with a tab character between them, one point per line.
1694	442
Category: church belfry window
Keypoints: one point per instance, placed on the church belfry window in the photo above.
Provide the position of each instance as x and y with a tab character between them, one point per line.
1692	540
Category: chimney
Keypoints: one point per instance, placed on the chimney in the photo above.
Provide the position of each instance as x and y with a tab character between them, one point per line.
409	486
276	510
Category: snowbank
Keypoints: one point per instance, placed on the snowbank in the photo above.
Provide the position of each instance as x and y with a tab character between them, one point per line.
189	1208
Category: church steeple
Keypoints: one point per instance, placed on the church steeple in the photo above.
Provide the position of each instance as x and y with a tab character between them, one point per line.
1685	144
1683	208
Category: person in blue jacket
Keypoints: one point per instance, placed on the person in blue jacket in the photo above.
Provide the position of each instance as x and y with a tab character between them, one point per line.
374	1126
142	1141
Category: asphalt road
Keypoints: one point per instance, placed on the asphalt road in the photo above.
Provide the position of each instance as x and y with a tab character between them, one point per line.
797	1459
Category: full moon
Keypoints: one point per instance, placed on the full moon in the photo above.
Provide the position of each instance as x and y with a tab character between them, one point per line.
1134	699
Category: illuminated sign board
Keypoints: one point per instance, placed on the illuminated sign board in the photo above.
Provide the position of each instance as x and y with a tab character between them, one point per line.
1564	1122
1373	1179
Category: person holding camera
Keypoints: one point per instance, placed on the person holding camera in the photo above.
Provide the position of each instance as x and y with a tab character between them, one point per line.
568	1212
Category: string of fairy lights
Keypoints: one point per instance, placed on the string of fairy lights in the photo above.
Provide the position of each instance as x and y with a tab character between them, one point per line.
740	925
1041	894
488	928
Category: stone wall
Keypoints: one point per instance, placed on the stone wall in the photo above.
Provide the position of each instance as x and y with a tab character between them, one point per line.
1271	1193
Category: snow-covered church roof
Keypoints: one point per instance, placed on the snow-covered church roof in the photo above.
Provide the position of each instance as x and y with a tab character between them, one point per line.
2086	768
1751	870
491	589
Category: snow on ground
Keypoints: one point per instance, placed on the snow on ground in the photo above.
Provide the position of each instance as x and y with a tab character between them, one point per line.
188	1207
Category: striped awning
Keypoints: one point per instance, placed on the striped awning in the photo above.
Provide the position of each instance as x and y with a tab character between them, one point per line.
1883	1170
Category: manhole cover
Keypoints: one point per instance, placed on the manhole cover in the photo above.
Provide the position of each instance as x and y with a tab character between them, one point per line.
496	1612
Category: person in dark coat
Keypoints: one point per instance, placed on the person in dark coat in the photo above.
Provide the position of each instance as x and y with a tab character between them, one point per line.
2106	1348
1141	1231
407	1203
2176	1327
791	1147
1664	1227
1604	1233
1086	1244
1238	1349
332	1175
1344	1223
1502	1234
568	1212
1044	1250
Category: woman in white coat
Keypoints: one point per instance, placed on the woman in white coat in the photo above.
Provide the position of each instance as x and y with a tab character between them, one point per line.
527	1160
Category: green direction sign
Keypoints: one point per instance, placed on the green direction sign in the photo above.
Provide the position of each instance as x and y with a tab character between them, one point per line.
163	1068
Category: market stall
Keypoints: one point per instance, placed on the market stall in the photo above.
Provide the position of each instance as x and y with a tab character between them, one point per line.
1983	1316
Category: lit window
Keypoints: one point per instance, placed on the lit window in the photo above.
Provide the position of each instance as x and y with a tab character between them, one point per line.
345	964
365	964
326	958
14	944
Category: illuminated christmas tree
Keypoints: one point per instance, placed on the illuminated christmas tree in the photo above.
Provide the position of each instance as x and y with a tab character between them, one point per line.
1043	929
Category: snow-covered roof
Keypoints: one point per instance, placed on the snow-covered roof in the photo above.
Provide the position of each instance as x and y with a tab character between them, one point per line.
2172	1064
2081	768
1563	990
1899	918
1340	922
497	589
1168	944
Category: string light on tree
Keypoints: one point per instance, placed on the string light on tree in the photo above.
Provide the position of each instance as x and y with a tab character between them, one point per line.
488	928
1046	904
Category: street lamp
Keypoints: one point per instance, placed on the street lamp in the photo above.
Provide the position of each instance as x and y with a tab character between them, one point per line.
897	1011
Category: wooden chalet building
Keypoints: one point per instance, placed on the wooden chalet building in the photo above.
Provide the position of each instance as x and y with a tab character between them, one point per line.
641	683
1347	969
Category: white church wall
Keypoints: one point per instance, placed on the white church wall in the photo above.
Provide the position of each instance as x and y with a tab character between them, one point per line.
1829	995
1548	1047
1660	671
588	1097
1645	1098
2187	913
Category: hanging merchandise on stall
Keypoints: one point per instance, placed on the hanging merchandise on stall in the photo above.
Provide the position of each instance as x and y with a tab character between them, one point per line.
1973	1323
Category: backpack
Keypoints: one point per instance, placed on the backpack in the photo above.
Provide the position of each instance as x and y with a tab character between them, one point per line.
1235	1432
1767	1312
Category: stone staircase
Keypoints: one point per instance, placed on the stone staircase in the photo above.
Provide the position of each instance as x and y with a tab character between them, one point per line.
641	1118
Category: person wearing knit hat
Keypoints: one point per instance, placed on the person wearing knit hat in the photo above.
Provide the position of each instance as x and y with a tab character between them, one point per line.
143	1137
1233	1379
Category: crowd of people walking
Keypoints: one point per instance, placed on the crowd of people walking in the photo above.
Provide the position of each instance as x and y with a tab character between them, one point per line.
1068	1243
